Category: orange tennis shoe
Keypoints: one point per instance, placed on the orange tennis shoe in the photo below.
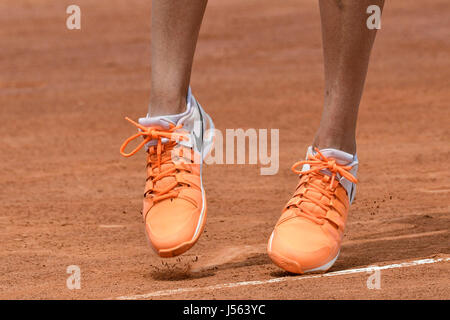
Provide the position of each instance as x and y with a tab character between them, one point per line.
174	209
307	237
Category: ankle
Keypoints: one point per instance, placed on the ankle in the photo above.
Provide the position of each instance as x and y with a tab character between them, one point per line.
163	104
346	144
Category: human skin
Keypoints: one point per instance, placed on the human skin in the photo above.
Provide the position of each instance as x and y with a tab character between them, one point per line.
175	28
347	44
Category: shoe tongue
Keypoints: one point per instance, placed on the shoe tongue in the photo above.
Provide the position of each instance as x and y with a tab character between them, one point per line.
341	157
164	122
161	122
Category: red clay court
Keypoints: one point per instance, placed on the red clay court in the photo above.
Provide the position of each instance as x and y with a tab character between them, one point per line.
69	198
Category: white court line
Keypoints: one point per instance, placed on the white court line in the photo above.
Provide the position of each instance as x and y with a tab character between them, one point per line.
435	190
111	226
282	279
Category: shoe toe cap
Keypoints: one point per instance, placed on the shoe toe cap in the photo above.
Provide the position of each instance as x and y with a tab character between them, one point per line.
301	247
170	225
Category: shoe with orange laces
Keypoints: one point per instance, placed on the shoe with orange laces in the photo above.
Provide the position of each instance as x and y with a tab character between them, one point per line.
174	209
307	237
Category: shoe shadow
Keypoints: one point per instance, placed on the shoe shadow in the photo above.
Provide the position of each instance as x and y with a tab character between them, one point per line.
252	260
227	258
179	275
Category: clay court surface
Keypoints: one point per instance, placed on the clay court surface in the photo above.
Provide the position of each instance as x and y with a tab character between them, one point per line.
69	198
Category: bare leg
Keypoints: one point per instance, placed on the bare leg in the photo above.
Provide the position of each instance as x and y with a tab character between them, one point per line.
175	28
347	43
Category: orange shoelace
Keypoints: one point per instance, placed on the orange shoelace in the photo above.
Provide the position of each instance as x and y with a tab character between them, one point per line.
159	154
317	163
